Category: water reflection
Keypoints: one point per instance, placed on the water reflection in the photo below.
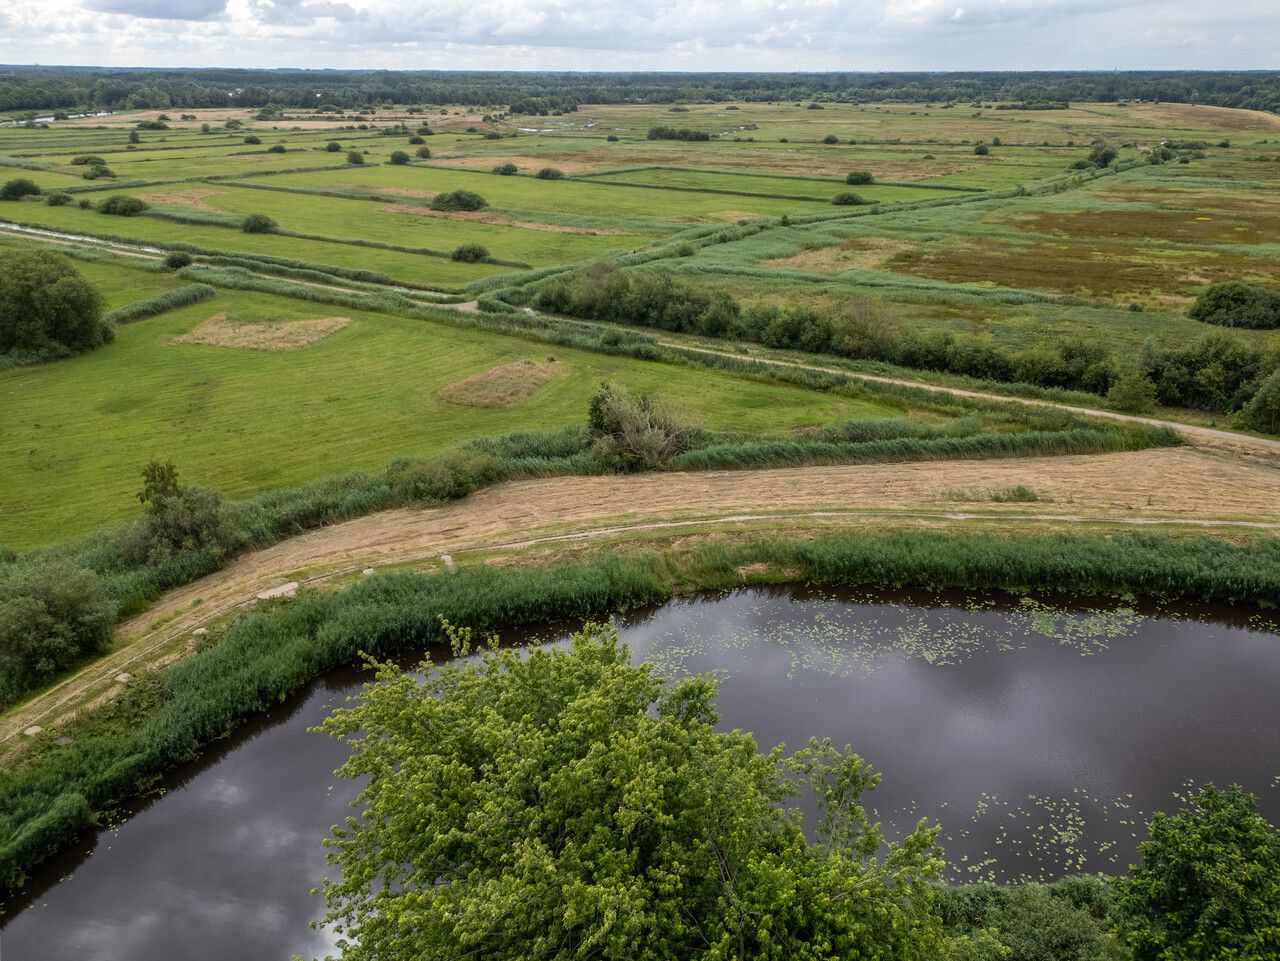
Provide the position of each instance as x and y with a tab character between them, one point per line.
1041	737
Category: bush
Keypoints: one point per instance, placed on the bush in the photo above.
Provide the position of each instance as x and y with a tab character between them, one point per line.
177	259
152	125
252	140
51	616
550	173
1262	413
57	200
1065	921
671	133
830	139
636	432
981	150
1102	155
46	305
355	157
88	160
333	146
415	140
469	253
18	188
859	178
276	148
133	137
399	158
612	138
258	224
458	200
1208	883
1234	304
1133	392
444	477
98	172
849	199
122	205
505	170
424	153
180	520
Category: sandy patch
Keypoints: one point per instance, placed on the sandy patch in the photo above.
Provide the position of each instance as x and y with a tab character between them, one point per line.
502	386
394	191
480	217
736	215
223	331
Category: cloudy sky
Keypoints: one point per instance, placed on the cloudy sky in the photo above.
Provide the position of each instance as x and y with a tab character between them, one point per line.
646	34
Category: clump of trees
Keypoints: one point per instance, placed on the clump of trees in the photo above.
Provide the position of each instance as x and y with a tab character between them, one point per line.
1218	372
47	308
458	200
673	133
623	817
122	205
179	519
18	188
1234	304
52	615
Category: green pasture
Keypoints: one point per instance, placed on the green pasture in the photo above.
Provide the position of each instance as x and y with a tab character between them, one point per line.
248	420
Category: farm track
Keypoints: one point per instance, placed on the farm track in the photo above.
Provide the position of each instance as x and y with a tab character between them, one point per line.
1207	488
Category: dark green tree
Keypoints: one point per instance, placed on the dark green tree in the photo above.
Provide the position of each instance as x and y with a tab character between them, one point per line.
47	305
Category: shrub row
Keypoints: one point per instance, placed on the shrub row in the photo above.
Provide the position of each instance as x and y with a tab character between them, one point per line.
161	303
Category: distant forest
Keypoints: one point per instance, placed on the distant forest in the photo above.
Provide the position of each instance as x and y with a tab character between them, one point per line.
68	88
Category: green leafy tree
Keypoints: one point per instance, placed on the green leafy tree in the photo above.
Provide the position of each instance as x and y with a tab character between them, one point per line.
1208	885
566	803
355	157
456	200
1133	392
469	253
1262	413
46	304
18	188
859	178
399	157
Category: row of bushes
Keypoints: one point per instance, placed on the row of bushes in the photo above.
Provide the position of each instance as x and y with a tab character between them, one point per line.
260	659
1217	373
161	303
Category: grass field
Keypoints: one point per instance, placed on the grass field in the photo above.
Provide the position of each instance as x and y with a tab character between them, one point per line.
1028	251
247	420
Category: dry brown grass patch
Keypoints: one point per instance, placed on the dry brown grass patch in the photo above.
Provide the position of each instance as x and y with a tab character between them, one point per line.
223	331
192	199
856	252
502	386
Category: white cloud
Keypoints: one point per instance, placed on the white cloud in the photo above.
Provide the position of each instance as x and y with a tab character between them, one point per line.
645	34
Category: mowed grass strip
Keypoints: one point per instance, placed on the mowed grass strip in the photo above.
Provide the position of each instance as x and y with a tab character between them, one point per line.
247	421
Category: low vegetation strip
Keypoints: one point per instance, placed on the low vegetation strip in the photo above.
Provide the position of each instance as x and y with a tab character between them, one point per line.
161	303
109	754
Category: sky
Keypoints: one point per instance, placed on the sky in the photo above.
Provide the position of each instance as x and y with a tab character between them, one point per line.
647	34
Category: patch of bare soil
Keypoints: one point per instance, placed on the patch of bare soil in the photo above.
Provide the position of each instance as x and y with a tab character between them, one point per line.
223	331
503	386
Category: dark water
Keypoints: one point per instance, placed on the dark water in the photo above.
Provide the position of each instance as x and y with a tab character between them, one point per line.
1040	737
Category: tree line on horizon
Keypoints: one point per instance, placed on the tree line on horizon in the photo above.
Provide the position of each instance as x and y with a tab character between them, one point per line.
32	88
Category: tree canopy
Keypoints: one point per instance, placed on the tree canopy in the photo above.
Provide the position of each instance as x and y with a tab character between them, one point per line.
566	803
47	306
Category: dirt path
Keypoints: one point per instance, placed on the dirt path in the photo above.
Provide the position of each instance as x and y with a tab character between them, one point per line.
1192	486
